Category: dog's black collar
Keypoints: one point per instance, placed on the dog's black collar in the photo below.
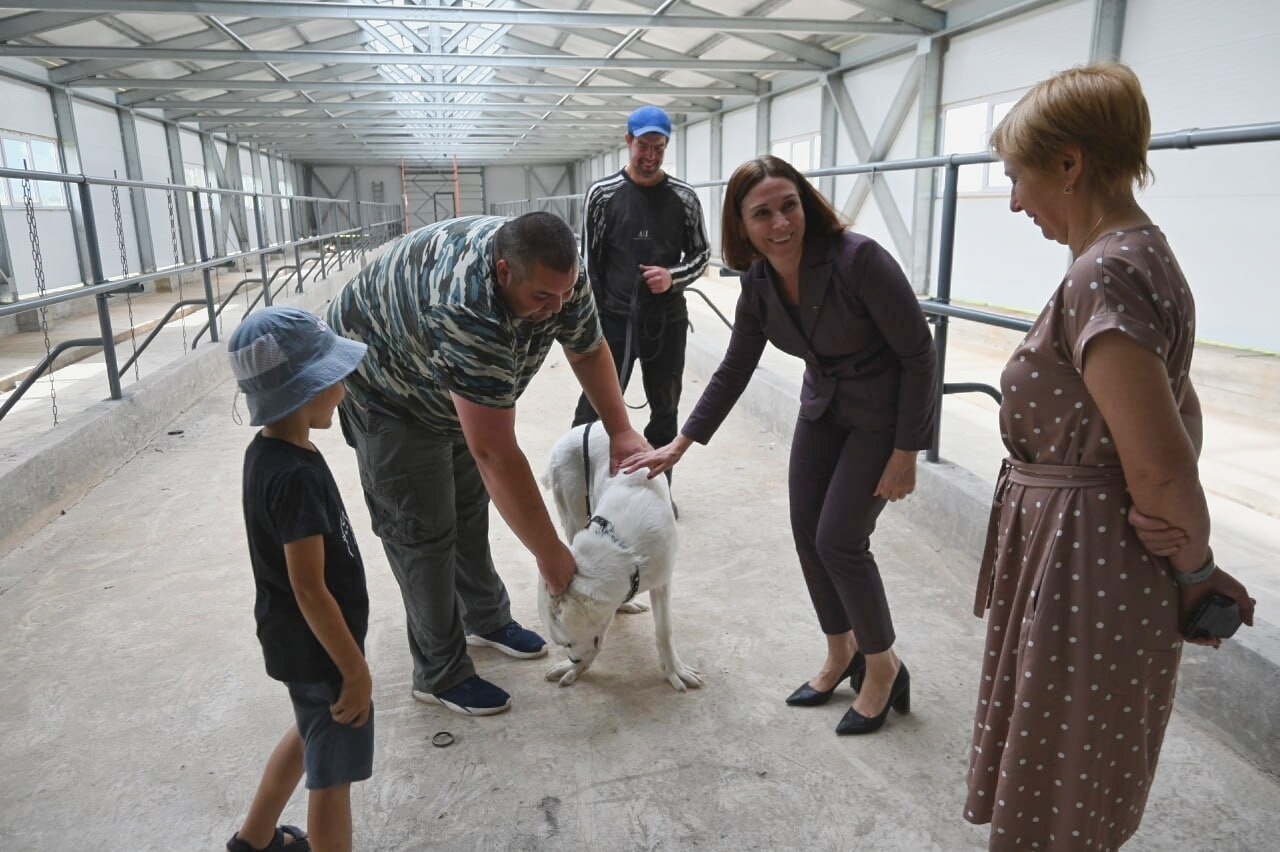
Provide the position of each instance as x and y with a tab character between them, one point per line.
606	528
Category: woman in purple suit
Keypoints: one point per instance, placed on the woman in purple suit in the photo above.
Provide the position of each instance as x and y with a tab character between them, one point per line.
840	302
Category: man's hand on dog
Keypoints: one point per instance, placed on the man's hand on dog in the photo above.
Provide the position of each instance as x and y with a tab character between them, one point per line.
558	569
623	446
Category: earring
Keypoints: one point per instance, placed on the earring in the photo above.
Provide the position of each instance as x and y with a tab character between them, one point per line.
1068	189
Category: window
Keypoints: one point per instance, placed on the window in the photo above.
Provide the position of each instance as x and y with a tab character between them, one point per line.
966	129
35	154
803	152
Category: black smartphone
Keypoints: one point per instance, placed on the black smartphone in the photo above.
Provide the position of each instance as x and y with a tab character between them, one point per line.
1217	617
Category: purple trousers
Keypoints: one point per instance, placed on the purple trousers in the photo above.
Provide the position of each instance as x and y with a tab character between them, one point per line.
832	479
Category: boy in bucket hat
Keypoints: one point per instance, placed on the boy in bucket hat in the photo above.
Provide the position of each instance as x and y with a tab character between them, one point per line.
312	607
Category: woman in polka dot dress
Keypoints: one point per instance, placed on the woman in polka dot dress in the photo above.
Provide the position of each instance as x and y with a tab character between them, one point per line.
1099	416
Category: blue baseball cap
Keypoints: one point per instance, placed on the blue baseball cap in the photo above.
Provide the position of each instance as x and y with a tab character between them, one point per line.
283	358
649	119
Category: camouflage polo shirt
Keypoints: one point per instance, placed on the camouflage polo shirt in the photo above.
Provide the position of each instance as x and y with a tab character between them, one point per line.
435	323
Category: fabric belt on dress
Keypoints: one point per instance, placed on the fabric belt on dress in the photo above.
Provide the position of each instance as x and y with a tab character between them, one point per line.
1014	472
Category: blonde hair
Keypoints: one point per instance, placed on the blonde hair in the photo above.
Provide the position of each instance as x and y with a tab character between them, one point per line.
1098	107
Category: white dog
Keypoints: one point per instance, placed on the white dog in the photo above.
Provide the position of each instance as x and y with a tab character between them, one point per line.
625	545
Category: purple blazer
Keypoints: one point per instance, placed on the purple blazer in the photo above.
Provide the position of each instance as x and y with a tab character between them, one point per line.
868	353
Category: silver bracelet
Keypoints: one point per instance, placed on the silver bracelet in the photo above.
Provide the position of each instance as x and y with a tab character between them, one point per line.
1191	579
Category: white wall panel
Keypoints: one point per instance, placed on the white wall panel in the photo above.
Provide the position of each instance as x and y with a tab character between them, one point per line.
698	152
1018	52
102	155
796	113
506	183
1000	260
57	252
1218	206
697	139
739	139
153	152
26	109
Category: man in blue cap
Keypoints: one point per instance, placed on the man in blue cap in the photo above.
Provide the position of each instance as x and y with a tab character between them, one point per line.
644	241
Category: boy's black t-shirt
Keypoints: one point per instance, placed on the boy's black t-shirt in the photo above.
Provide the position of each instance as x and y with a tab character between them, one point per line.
290	494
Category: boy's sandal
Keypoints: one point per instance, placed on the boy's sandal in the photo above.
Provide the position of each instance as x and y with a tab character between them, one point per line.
277	844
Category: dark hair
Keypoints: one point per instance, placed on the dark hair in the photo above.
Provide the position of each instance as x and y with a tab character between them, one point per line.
820	218
536	238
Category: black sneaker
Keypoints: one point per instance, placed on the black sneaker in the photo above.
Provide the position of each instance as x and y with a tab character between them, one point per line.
512	640
475	696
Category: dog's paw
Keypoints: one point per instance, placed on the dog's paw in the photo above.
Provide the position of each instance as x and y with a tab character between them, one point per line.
566	672
633	607
681	676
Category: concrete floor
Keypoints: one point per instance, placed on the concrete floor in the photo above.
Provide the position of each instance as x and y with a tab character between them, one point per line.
136	714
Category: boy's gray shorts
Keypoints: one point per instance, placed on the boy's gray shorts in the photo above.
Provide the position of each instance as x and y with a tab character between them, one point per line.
333	753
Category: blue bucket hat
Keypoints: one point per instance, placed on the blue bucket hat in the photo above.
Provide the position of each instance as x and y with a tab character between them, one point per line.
283	358
649	119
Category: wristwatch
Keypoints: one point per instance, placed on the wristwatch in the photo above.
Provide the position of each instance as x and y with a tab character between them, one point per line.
1199	576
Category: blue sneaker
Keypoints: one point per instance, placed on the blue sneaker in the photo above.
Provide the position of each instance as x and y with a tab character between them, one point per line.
512	640
475	696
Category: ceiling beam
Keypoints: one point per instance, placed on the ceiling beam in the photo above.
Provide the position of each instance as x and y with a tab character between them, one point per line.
34	23
178	110
310	10
270	121
909	12
569	87
252	58
76	70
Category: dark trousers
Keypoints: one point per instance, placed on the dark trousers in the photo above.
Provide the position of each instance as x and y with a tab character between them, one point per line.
833	475
430	509
658	343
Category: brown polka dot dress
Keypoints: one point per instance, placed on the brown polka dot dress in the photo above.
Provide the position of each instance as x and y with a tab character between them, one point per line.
1082	647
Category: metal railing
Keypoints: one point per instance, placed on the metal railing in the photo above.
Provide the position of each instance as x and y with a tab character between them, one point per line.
939	309
216	217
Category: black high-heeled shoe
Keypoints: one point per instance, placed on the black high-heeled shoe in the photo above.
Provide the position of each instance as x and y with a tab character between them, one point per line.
807	696
899	699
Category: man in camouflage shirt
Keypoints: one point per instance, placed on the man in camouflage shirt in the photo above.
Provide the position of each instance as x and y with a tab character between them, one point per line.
458	317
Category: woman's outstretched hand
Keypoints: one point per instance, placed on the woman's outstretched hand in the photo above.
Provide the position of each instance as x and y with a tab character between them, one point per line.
658	461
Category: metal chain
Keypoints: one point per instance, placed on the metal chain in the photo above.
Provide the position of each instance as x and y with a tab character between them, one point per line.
124	267
177	261
33	236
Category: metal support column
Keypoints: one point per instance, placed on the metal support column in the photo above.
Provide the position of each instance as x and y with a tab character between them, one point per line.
926	180
1108	30
277	204
137	197
97	276
261	228
204	271
828	127
717	170
946	250
764	126
178	175
69	148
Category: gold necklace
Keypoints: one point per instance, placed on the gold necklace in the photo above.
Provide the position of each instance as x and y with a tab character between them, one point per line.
1084	245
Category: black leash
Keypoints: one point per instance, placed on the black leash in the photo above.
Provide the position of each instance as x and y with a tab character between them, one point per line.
586	464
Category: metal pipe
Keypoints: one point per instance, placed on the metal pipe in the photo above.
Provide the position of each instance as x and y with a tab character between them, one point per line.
946	251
